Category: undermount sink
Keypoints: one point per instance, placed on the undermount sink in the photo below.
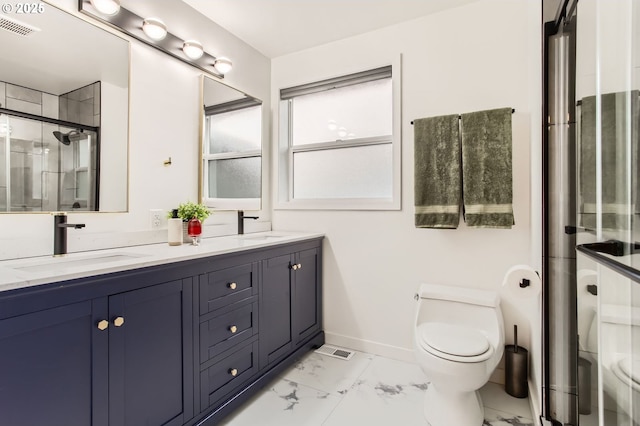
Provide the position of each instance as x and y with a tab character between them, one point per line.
61	263
260	237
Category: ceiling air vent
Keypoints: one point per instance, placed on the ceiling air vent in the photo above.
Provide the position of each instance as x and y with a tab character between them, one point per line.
16	27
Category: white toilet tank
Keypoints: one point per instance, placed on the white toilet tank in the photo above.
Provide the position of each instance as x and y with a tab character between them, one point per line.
621	329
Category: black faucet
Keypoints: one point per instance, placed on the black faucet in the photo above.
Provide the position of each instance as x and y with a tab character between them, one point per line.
241	218
60	226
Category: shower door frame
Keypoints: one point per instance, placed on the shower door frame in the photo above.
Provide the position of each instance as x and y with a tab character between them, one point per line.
557	398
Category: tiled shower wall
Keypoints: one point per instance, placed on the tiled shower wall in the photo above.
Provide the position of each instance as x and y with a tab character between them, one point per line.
27	100
82	105
41	151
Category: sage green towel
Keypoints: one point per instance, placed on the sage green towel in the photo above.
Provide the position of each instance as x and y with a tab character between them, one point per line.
487	188
619	188
437	172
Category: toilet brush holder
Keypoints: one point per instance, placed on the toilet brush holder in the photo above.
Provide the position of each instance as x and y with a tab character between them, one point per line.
516	369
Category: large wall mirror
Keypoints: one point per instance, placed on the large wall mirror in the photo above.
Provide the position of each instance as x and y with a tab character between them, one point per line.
231	120
64	111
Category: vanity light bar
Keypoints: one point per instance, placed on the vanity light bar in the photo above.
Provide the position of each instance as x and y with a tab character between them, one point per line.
131	24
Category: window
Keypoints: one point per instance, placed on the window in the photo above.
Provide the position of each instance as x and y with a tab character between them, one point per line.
232	154
337	143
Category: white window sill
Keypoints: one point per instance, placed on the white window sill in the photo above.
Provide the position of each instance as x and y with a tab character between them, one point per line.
340	204
233	203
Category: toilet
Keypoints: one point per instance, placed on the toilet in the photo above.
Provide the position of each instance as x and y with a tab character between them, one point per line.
618	354
458	342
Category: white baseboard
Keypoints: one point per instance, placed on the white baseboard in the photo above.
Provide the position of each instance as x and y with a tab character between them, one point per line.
368	346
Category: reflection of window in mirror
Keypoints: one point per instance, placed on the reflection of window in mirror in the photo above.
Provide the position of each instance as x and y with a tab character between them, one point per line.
232	154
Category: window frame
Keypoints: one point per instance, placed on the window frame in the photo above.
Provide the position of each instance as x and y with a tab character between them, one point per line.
228	203
286	150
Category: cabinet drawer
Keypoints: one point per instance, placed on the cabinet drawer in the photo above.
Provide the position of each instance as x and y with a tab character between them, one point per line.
224	331
219	379
226	286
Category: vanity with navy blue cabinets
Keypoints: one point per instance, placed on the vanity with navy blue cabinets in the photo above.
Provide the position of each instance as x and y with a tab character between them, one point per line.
179	343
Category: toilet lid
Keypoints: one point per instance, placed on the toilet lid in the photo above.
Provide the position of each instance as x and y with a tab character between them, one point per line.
454	339
630	366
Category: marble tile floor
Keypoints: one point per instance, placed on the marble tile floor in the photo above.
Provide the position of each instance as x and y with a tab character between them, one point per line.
367	390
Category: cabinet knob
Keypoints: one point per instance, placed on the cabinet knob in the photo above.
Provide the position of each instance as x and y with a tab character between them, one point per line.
294	267
233	372
232	286
233	329
103	325
299	265
118	321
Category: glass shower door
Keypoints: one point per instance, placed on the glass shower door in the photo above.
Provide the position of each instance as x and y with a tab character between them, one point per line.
5	181
77	177
22	163
609	208
47	167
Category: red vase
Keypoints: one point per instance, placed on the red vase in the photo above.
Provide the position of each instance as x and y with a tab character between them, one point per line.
194	230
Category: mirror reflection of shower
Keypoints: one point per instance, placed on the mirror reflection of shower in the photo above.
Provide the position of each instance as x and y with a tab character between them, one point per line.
47	165
65	138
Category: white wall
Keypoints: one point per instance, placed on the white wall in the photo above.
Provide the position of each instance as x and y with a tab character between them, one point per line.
114	124
164	122
481	56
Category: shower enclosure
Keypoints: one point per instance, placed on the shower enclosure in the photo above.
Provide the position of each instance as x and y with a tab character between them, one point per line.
591	211
47	164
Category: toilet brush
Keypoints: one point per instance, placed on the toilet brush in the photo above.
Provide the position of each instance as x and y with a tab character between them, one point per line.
516	368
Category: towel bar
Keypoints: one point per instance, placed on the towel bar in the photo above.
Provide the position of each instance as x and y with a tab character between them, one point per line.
459	117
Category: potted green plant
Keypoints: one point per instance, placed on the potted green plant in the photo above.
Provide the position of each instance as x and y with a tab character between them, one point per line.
190	210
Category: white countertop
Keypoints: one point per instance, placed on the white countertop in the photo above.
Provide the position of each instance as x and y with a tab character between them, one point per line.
21	273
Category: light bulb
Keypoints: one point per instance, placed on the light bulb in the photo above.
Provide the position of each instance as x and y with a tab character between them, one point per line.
223	65
192	49
106	7
342	132
332	124
154	28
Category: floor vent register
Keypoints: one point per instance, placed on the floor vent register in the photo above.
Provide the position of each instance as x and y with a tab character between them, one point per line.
335	352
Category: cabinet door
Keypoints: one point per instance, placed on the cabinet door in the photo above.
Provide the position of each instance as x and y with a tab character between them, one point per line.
275	309
306	295
150	346
46	367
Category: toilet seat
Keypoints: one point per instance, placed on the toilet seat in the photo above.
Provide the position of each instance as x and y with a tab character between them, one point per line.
628	370
454	342
631	368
